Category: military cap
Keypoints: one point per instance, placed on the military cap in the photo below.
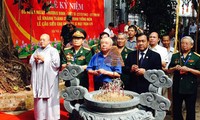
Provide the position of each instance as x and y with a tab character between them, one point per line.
80	33
69	18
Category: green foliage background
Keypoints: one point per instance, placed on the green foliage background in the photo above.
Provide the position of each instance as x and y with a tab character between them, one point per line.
159	14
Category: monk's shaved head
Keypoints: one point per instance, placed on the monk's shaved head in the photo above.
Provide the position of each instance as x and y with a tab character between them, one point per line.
44	40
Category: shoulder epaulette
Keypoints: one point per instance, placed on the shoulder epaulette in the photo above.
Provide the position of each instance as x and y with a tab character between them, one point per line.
87	48
94	45
197	54
176	52
67	48
129	49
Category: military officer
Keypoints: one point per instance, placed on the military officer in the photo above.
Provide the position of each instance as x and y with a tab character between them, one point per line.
77	54
186	68
124	51
121	44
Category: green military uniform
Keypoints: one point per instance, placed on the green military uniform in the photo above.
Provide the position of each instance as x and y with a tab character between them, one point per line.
95	49
185	83
125	53
124	77
82	57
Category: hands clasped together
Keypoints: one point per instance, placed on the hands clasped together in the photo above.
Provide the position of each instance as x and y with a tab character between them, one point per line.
137	70
182	69
38	58
99	72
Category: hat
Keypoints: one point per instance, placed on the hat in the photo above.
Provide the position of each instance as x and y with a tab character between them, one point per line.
79	33
69	18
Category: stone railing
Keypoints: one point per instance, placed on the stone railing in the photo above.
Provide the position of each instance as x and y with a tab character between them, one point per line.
153	98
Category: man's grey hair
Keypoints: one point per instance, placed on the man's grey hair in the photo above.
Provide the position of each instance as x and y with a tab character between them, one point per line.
124	35
108	39
189	38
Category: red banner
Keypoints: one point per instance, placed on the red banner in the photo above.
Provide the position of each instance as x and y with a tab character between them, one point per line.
26	27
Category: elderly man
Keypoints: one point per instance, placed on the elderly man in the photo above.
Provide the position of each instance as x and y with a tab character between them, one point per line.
103	73
186	68
96	47
45	62
121	45
124	51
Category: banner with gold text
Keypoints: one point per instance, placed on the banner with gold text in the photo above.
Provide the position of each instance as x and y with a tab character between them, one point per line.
26	27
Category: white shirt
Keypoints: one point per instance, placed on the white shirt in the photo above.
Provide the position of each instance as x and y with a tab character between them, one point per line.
110	32
170	53
162	51
126	28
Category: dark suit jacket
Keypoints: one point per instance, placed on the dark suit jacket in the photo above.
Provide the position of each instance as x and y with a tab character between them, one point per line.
152	60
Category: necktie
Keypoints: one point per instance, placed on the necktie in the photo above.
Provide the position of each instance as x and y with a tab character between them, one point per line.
141	58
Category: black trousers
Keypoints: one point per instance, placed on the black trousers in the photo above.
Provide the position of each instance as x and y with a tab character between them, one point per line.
190	101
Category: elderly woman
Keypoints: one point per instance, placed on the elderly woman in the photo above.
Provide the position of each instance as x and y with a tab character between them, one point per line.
103	73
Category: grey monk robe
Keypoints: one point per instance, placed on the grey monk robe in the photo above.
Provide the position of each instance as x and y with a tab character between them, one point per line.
44	80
